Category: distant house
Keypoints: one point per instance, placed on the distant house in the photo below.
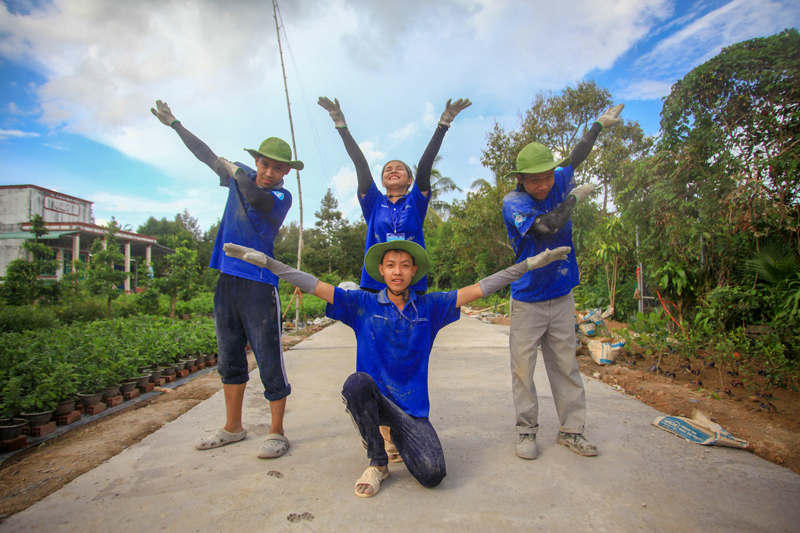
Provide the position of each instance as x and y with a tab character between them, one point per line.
72	232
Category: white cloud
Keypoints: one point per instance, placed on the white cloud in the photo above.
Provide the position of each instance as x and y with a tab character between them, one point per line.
370	152
645	90
8	134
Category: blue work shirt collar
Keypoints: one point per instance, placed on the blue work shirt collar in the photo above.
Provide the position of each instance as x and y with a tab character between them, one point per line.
383	298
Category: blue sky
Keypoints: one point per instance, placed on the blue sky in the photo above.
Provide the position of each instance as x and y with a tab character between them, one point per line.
78	78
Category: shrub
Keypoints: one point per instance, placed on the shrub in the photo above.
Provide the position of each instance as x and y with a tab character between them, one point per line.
26	318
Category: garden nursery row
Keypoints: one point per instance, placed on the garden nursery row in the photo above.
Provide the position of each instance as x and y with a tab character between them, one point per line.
44	372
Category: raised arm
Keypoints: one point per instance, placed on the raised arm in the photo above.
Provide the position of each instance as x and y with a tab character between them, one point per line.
198	148
363	173
425	165
607	120
302	280
498	280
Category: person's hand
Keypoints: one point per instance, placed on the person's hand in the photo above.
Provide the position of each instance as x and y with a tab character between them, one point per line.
244	253
582	192
230	167
453	109
163	113
547	257
609	118
334	110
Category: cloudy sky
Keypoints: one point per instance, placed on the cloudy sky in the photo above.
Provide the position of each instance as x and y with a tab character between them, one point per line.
78	79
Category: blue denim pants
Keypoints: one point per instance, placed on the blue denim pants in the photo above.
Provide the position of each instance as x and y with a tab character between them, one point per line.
415	438
246	310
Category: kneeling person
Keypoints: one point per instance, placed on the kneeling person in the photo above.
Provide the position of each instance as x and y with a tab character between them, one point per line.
395	330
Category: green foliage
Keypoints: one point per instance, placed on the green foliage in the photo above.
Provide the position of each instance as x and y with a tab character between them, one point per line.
25	318
102	278
180	277
22	284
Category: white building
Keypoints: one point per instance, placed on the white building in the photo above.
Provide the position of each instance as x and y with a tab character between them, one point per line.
72	232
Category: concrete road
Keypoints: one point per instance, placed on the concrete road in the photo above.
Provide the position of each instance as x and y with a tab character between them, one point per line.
643	480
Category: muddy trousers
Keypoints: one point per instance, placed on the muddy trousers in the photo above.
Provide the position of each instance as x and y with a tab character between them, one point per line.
550	324
415	438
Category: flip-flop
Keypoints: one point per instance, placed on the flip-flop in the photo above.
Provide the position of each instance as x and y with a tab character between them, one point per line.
275	446
372	476
220	438
391	451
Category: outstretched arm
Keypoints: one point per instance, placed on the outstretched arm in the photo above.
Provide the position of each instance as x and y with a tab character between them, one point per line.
363	173
257	197
302	280
425	165
200	149
498	280
607	120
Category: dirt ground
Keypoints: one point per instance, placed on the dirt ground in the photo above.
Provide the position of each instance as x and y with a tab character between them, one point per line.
772	430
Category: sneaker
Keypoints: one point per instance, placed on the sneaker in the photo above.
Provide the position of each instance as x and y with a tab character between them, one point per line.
577	443
526	447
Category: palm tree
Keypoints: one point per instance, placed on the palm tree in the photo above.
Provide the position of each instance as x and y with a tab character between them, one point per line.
439	185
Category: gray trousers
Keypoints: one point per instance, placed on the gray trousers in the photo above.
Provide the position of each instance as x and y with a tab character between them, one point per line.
550	324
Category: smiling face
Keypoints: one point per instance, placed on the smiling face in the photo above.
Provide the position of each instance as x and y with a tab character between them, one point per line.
537	185
398	269
270	172
396	176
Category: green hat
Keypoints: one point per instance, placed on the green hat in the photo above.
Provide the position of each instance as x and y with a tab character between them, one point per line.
278	150
535	158
377	251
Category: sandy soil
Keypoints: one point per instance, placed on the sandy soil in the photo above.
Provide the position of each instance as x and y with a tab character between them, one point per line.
774	431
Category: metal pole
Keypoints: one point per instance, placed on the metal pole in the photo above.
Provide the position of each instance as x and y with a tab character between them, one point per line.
294	147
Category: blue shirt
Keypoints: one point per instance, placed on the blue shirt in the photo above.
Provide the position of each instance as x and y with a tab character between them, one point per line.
393	346
520	209
247	226
383	217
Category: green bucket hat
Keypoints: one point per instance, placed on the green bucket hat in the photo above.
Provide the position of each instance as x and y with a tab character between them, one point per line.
377	251
535	158
276	149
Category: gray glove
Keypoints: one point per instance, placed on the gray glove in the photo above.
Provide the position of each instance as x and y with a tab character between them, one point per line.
498	280
609	118
547	257
164	114
453	109
230	167
582	192
302	280
334	110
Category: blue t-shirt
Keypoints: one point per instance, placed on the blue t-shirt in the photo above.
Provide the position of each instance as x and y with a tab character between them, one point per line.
393	346
383	217
520	209
247	226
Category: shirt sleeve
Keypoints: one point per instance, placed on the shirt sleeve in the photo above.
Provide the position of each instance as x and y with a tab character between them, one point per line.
283	202
367	203
344	307
443	309
519	212
420	201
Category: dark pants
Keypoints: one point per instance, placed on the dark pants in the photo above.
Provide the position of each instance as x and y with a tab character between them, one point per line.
246	310
415	438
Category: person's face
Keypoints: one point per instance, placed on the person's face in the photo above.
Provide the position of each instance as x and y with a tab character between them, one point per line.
270	172
396	176
537	185
398	269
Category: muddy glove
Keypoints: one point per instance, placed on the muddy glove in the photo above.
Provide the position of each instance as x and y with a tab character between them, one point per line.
303	281
164	114
547	257
609	118
498	280
230	167
453	109
582	192
334	110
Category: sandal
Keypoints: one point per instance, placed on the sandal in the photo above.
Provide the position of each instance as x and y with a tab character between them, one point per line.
220	438
372	476
391	451
275	446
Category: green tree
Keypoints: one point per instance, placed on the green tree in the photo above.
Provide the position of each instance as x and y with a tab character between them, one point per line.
439	209
102	278
22	284
180	277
